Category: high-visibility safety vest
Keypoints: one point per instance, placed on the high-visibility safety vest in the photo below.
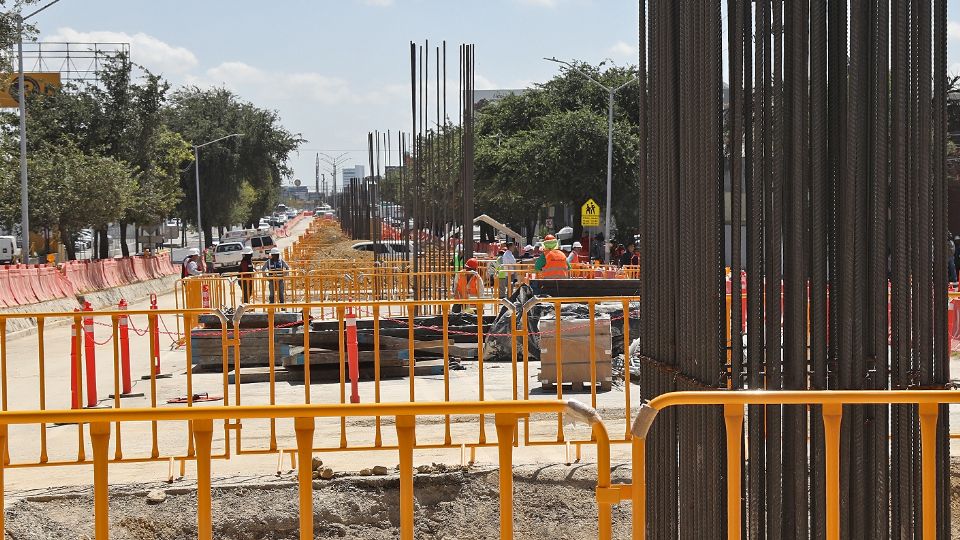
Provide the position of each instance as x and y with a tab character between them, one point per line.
468	284
497	269
555	265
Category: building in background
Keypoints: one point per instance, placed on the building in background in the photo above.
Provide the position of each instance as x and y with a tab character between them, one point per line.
351	173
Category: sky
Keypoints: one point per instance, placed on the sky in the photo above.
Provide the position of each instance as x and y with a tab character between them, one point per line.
336	69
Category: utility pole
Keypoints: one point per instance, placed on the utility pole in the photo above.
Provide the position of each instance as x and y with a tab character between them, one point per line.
611	92
334	162
317	179
22	103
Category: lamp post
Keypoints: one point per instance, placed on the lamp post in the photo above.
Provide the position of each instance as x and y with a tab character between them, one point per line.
611	92
196	167
22	103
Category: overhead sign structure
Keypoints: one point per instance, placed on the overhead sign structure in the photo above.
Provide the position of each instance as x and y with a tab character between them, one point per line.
590	214
41	83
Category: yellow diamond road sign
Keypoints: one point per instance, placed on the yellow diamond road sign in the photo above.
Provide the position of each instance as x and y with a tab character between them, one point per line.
590	214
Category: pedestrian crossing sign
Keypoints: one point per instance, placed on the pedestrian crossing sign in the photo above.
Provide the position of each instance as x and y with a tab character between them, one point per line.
590	214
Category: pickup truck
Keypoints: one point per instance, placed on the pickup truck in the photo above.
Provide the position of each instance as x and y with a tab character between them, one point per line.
227	255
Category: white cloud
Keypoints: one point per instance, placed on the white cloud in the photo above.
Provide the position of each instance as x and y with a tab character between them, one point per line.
623	49
252	82
953	30
152	53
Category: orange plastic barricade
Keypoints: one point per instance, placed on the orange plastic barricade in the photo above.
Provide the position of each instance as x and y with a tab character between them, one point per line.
6	295
113	273
154	268
21	282
47	280
66	287
126	269
139	269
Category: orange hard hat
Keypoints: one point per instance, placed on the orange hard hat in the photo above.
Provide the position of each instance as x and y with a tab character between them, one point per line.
472	263
549	237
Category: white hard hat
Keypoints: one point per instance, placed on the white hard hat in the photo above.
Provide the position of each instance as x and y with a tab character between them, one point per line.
248	250
527	247
275	251
193	252
577	245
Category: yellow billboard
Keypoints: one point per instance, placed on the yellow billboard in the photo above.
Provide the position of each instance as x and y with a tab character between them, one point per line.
44	83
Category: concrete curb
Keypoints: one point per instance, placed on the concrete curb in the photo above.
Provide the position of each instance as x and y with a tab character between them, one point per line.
18	327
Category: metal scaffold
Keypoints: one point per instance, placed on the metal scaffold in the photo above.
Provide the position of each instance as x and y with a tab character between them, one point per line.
834	140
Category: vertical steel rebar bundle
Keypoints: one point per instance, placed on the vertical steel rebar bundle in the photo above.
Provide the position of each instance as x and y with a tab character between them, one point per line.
420	207
834	141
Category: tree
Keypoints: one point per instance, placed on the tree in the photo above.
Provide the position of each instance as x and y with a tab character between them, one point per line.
257	159
120	118
70	189
548	146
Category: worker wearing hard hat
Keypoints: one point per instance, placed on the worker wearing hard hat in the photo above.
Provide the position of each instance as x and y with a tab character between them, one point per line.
499	273
189	266
574	256
246	274
468	284
552	263
275	268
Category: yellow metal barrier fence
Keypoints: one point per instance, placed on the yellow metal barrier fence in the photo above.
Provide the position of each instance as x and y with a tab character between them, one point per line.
304	417
832	403
484	381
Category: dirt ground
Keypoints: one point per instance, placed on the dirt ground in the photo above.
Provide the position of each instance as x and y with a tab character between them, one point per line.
551	501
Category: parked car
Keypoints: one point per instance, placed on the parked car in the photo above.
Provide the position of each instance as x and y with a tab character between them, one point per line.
8	249
227	256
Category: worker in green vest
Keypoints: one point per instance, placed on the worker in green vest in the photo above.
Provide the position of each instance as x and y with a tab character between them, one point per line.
499	272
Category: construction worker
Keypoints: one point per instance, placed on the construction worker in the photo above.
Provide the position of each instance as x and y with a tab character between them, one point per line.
574	256
458	258
189	267
208	257
468	284
246	274
274	268
552	263
499	273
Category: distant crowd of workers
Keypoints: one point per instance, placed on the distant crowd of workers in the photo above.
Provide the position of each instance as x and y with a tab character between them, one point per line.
551	261
194	265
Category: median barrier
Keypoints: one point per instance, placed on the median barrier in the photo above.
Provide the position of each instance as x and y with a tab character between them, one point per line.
6	295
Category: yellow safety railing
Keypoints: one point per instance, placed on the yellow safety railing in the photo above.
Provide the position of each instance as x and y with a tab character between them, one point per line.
58	377
104	422
228	340
832	403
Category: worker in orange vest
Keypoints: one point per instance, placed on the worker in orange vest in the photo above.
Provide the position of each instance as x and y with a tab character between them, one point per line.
468	284
552	263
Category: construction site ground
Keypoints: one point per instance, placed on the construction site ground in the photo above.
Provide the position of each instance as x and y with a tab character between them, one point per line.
250	502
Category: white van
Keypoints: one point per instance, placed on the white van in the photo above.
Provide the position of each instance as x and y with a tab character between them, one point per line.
260	241
8	249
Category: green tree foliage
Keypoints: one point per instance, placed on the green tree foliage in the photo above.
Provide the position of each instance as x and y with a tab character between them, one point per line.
70	190
258	159
121	118
548	146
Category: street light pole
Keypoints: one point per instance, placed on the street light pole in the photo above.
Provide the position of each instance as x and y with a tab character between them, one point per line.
611	92
22	105
196	167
